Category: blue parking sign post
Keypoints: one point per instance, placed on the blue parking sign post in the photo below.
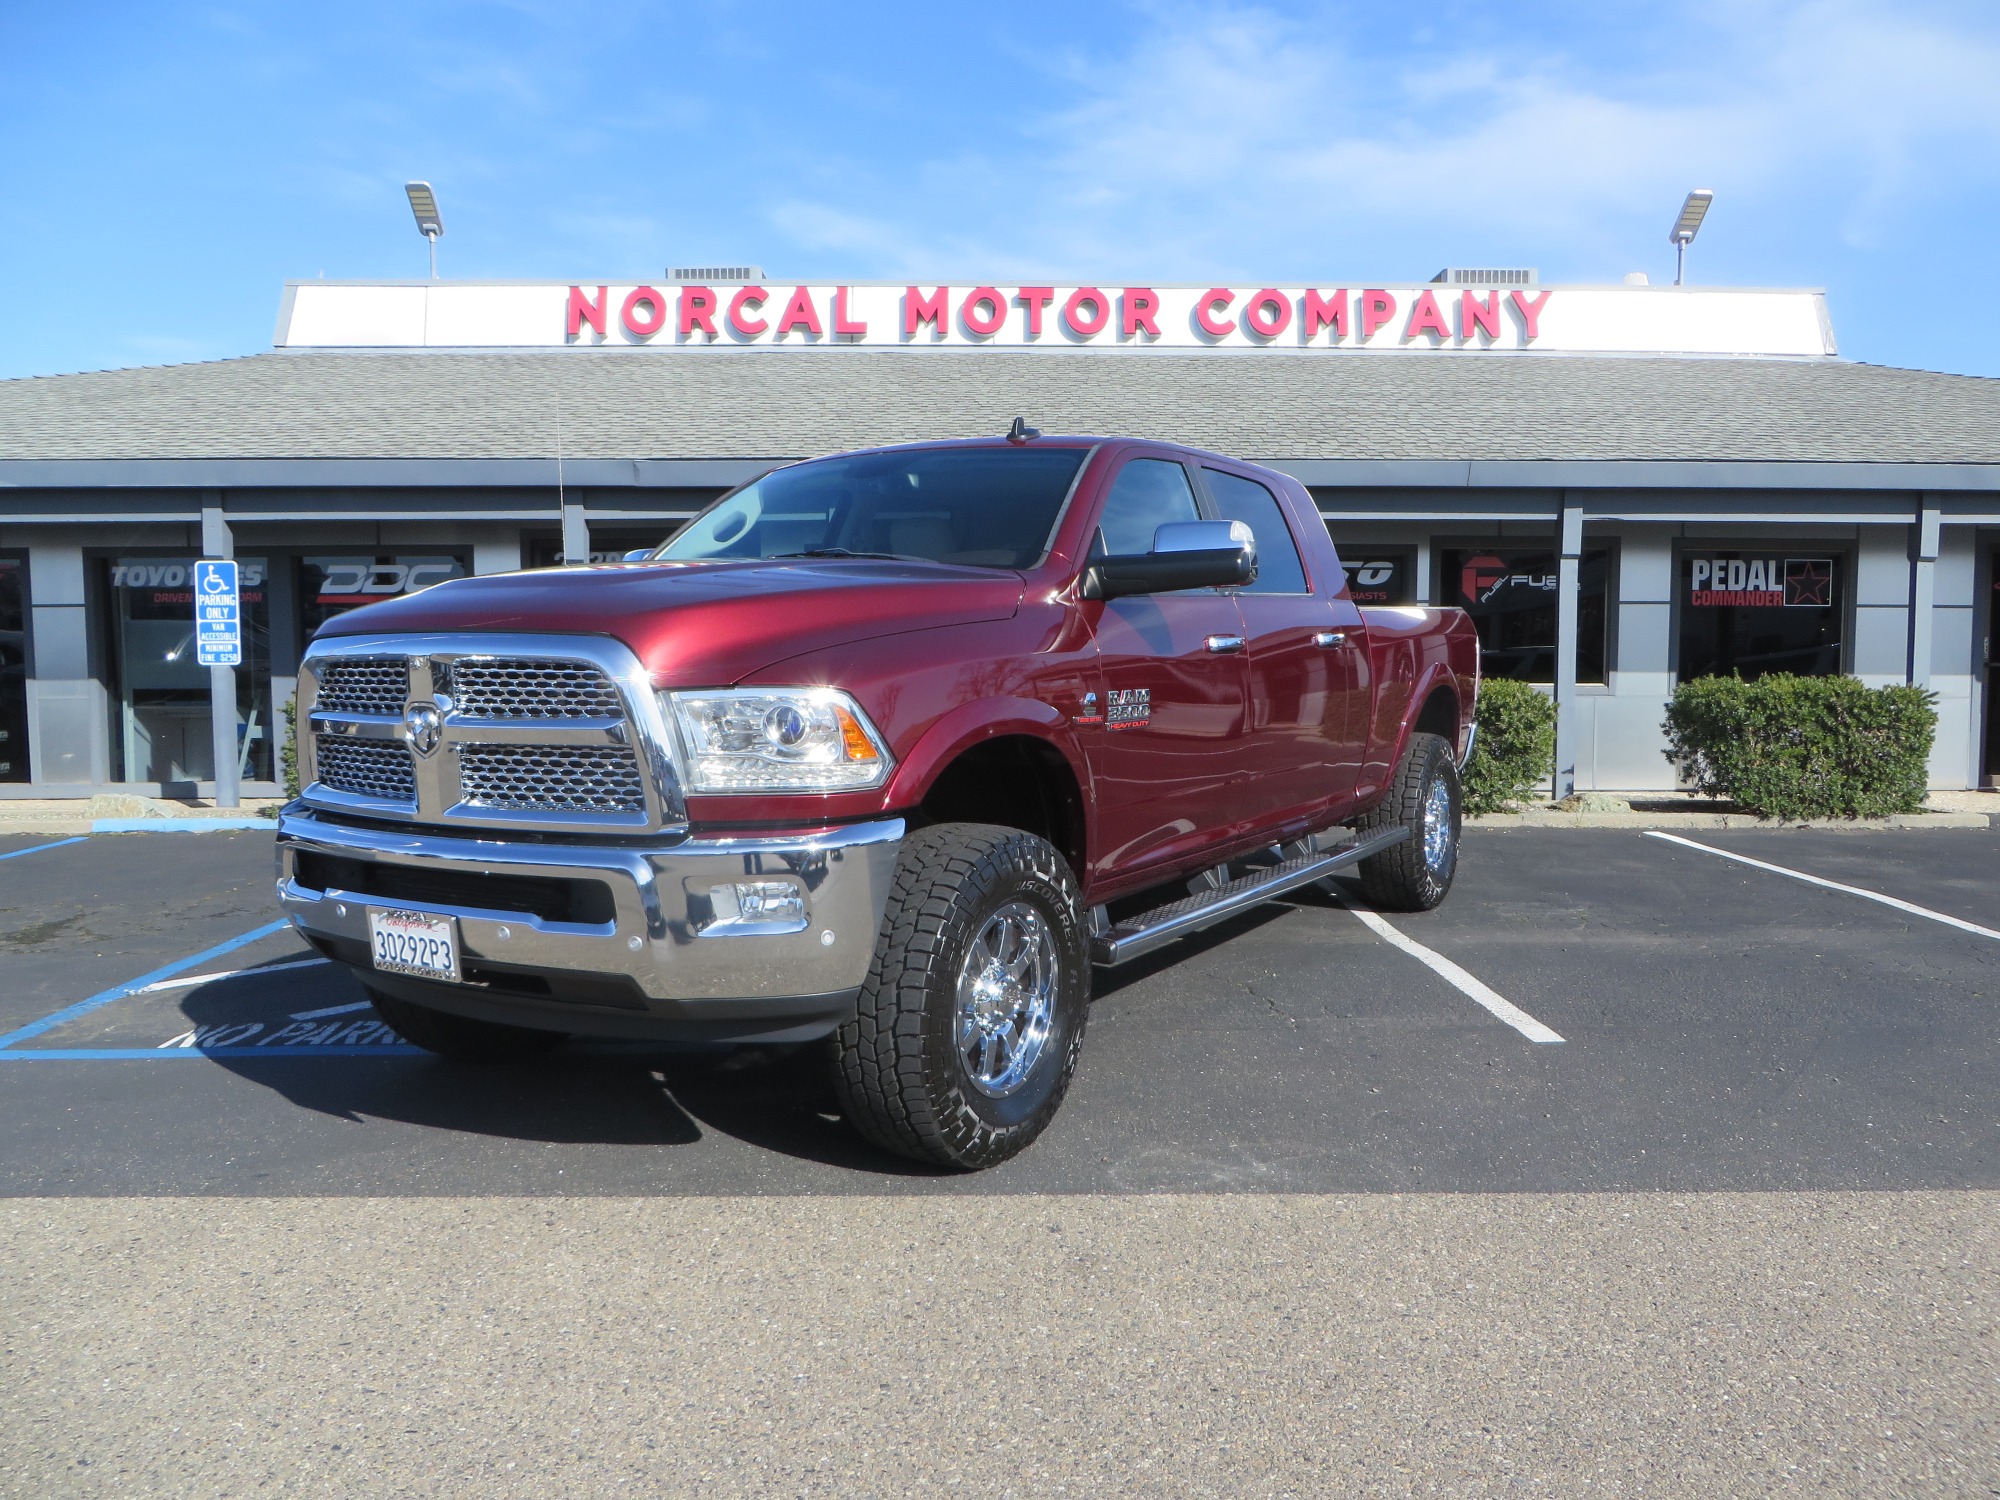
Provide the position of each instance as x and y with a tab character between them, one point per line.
218	644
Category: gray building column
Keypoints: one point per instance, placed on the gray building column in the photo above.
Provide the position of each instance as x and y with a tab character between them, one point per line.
1923	591
218	541
496	551
575	534
69	743
1570	545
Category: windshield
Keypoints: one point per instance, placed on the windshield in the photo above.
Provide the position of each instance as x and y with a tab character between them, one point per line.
977	507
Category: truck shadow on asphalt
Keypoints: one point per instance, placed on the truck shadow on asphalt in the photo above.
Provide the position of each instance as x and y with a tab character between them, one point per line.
585	1093
776	1099
658	1100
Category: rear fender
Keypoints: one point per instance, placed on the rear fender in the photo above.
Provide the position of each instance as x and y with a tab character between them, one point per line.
1436	677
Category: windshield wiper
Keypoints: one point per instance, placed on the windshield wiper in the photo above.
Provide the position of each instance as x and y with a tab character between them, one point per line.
848	552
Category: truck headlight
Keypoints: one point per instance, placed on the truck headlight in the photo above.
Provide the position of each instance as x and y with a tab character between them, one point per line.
777	740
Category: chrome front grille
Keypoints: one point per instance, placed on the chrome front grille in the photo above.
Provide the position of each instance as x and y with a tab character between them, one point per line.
556	733
364	685
380	769
497	687
550	778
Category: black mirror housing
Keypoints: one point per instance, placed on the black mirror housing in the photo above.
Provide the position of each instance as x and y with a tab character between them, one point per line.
1167	572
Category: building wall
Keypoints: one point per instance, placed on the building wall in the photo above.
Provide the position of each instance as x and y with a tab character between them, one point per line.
1619	740
1617	723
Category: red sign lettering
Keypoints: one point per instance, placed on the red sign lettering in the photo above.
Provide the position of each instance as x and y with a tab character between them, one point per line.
582	310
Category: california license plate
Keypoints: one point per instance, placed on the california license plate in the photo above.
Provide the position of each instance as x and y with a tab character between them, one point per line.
414	943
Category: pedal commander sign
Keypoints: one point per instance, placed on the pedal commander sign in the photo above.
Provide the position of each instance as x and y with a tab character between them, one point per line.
1760	582
1414	319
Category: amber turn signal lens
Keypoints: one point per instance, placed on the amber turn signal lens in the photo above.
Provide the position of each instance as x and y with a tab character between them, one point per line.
854	739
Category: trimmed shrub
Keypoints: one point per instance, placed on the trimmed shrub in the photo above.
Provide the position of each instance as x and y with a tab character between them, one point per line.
288	757
288	753
1515	749
1803	747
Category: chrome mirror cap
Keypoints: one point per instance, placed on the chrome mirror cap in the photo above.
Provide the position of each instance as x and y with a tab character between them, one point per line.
1206	536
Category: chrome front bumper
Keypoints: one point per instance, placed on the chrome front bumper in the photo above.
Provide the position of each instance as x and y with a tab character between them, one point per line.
657	957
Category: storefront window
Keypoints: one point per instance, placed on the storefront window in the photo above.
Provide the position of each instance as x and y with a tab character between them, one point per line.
1750	613
13	670
1511	593
1379	575
162	694
330	586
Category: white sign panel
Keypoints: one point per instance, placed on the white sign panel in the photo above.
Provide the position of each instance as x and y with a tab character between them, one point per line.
1406	319
218	614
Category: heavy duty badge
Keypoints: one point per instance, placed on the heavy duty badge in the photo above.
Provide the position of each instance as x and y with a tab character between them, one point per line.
1129	708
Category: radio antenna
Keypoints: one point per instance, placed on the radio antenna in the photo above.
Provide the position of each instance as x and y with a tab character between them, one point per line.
562	501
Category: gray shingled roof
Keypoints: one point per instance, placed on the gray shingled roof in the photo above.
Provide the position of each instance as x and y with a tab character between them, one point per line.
1277	407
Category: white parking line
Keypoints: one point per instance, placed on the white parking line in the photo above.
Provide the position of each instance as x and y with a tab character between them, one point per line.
1832	885
188	979
1481	994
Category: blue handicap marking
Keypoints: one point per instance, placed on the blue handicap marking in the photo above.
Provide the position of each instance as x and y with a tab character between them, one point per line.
218	613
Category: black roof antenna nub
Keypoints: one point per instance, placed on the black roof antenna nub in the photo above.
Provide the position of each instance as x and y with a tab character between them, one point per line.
1020	432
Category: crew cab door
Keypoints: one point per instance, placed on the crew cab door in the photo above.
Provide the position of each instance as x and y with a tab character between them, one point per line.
1307	659
1166	764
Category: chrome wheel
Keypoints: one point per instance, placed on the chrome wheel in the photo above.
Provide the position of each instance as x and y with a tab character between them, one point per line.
1437	825
1007	991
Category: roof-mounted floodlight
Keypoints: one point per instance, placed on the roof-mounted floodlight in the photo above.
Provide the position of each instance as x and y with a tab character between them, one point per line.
424	204
1687	226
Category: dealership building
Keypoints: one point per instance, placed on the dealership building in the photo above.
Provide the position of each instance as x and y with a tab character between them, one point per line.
1626	486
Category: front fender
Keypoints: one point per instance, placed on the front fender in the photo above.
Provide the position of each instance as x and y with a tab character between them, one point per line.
973	724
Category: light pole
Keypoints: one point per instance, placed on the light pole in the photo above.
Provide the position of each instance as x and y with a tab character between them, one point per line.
424	204
1686	227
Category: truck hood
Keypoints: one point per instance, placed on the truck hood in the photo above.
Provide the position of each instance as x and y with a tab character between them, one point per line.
704	624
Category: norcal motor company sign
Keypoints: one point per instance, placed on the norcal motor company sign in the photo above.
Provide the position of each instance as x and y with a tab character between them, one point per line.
1404	318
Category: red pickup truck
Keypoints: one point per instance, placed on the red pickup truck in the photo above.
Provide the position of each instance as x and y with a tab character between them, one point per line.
887	749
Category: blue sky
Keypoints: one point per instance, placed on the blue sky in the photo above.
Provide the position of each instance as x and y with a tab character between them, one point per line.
167	166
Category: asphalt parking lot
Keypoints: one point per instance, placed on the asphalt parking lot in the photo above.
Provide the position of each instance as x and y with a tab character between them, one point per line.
1724	1028
1758	1167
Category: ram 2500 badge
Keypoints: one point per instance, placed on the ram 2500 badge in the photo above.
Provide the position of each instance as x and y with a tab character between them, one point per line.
886	749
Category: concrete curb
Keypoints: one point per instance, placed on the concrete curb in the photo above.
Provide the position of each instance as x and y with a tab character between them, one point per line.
58	828
180	825
1686	821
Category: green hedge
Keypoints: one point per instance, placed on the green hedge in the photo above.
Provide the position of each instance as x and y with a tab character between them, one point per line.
1803	747
288	756
288	752
1514	752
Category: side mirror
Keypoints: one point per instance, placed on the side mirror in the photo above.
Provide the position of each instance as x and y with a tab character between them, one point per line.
1185	555
640	554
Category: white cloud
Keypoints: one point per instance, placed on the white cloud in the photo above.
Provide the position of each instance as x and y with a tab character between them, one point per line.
1229	139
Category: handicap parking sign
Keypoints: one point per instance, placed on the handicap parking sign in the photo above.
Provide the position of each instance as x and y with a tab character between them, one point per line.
218	614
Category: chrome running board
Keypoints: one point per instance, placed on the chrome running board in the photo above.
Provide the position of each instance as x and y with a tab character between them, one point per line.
1177	919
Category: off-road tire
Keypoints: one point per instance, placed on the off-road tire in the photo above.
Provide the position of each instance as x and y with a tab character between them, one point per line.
461	1038
896	1065
1401	878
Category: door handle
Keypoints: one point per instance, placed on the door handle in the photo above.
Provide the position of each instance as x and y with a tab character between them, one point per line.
1223	643
1329	638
